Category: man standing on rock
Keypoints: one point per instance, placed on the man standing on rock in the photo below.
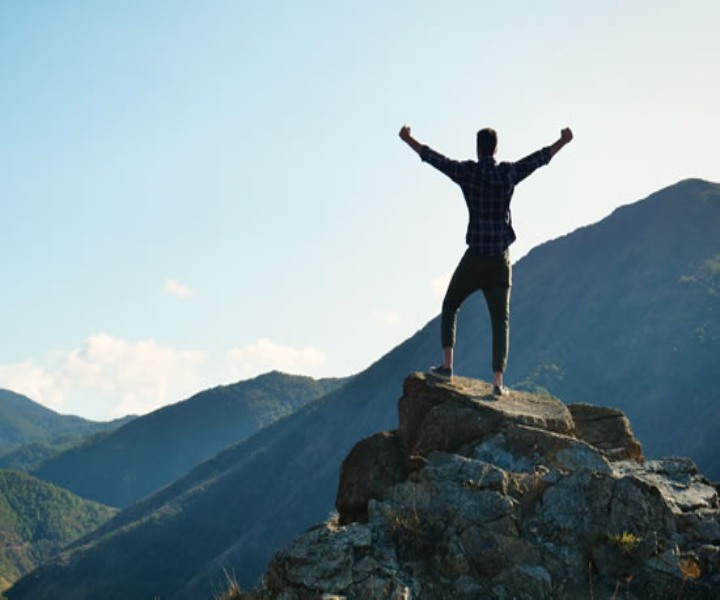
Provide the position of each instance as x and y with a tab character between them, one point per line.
488	188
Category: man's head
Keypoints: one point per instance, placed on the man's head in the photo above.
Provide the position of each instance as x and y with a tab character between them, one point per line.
486	142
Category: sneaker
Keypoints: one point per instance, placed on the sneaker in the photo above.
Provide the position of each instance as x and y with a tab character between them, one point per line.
441	372
500	390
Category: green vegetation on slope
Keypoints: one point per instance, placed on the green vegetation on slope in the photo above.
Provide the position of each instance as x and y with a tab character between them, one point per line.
37	520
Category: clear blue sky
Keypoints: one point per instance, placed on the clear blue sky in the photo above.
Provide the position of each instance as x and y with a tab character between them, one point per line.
197	192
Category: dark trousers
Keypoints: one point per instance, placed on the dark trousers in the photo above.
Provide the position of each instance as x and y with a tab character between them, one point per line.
492	275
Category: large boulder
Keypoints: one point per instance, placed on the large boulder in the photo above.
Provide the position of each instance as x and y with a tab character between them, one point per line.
455	417
608	429
439	416
373	465
475	497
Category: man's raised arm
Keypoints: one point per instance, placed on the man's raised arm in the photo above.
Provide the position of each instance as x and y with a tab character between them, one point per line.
406	137
566	137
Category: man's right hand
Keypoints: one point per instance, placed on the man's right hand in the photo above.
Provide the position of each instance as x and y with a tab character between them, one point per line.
405	133
566	135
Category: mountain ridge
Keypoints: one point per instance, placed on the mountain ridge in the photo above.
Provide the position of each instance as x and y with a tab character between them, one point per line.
31	433
557	345
646	318
24	421
113	469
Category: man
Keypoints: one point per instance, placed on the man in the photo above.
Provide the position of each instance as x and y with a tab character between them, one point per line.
488	188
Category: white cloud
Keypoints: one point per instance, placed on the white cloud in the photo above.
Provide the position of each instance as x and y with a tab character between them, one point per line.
386	317
439	285
32	381
177	289
264	355
108	377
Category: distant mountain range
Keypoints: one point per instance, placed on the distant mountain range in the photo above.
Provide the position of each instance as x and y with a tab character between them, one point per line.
38	519
623	313
154	450
31	434
132	461
23	421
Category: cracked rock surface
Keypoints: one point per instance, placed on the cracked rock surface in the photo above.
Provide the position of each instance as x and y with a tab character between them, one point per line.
521	497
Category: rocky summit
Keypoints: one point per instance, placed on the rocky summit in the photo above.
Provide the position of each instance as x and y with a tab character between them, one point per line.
519	497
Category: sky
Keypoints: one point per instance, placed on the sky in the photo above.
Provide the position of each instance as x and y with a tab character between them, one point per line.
194	193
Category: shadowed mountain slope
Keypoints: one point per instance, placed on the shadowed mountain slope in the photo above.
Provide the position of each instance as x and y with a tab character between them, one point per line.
621	313
235	508
627	311
153	450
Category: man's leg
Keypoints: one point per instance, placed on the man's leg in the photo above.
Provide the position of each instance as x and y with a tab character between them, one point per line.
497	296
462	284
448	356
498	302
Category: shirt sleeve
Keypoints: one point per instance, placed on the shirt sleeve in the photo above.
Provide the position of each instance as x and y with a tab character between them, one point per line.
451	168
527	165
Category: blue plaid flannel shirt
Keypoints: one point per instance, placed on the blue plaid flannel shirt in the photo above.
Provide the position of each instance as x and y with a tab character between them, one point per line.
488	188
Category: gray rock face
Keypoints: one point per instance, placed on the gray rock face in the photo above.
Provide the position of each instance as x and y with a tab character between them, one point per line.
450	417
373	465
478	498
608	429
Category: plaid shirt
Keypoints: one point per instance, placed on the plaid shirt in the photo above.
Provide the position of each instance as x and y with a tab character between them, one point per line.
488	188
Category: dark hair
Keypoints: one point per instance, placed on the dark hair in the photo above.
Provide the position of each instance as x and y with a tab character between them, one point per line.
486	141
